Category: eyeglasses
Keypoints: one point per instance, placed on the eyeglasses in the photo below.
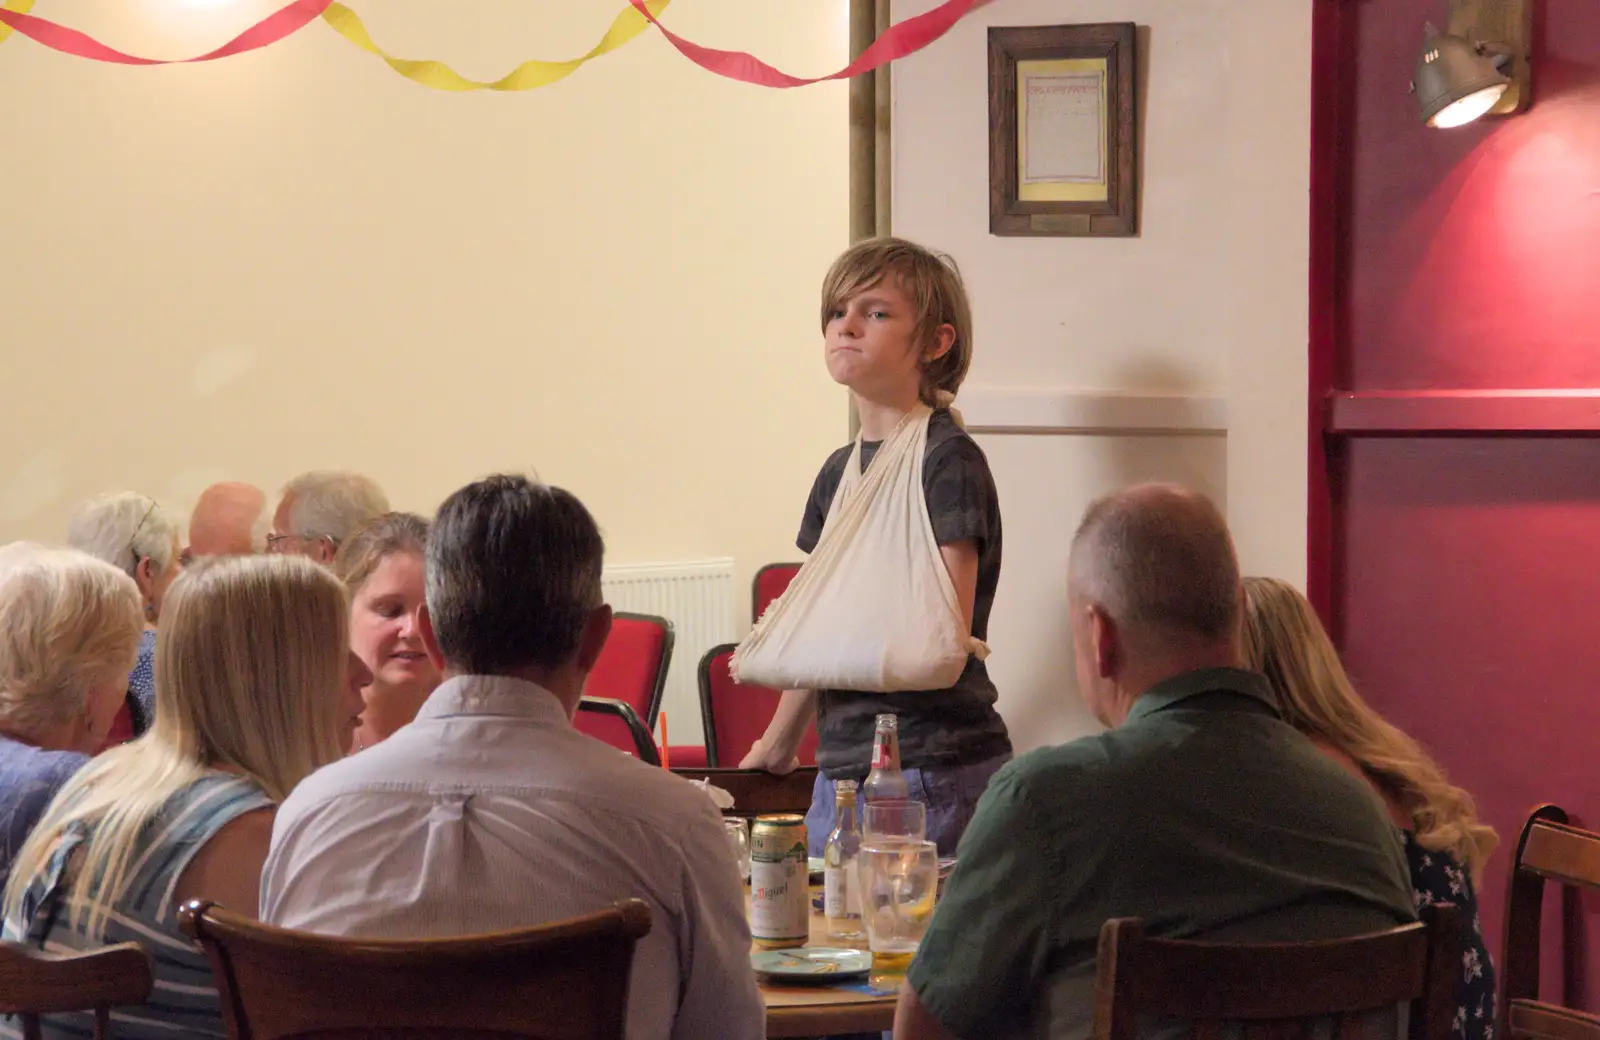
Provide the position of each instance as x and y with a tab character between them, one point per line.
275	541
135	536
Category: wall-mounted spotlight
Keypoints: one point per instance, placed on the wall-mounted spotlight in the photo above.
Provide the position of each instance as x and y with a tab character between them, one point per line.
1478	66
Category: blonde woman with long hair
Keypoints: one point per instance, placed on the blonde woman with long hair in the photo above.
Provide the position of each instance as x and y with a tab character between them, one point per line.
255	689
1446	844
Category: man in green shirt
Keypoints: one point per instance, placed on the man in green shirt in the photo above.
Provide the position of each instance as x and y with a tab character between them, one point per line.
1199	810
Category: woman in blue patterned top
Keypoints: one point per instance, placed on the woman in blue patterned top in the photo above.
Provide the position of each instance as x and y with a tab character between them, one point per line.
1445	843
132	532
68	628
255	688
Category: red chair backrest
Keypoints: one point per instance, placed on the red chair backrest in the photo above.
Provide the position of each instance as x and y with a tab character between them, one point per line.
736	715
633	664
121	728
607	729
770	582
633	669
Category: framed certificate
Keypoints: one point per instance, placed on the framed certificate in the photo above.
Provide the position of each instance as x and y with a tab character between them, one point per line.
1063	144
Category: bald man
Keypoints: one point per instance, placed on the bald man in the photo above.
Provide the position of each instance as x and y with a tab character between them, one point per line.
230	519
1199	810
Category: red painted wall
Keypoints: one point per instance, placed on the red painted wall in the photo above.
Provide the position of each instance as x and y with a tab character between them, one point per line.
1457	549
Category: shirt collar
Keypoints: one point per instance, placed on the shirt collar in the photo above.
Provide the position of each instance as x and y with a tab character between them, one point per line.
493	695
1169	693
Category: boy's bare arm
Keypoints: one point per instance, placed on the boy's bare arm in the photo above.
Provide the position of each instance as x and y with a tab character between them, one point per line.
776	750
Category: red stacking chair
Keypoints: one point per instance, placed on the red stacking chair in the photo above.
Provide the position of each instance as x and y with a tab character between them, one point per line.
632	669
735	715
770	582
603	718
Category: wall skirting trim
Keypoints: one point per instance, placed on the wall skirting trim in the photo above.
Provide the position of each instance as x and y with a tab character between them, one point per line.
1063	411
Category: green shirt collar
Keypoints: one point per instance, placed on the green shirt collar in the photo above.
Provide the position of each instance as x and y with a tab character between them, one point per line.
1171	692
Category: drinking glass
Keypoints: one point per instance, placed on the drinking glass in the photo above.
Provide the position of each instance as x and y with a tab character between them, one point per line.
908	820
899	880
739	840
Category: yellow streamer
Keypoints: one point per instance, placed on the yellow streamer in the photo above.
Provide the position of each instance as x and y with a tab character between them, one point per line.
530	74
24	6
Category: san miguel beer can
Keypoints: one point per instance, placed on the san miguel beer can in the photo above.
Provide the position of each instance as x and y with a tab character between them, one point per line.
780	891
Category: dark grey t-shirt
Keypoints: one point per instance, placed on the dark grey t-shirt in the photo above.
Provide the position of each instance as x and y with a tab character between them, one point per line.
958	726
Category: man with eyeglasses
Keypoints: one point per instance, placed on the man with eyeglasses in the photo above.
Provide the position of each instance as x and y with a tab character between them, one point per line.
320	509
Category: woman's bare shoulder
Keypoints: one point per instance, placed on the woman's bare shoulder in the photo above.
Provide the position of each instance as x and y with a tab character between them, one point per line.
227	868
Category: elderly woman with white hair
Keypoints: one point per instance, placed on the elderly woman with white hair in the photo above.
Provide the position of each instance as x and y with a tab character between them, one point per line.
69	630
134	534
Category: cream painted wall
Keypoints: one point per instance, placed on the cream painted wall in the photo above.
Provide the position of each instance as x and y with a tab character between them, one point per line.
296	259
1177	355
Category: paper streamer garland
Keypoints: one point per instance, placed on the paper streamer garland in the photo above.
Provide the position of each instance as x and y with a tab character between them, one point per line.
17	7
902	38
527	76
281	23
899	40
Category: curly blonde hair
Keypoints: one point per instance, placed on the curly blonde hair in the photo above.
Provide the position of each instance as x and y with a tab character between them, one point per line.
1285	641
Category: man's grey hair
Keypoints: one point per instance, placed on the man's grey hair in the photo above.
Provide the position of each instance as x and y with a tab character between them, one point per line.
1158	559
332	504
123	528
513	574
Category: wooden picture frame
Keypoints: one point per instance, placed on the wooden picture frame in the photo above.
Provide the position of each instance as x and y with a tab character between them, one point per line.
1063	143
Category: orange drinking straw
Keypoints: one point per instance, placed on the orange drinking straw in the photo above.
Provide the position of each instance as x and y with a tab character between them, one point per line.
666	756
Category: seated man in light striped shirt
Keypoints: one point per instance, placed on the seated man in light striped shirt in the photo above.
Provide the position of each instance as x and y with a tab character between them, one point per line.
491	812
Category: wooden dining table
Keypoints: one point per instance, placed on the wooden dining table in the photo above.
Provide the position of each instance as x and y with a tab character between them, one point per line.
825	1010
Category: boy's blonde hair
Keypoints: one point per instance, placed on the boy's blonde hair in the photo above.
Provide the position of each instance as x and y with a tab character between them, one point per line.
250	658
1285	641
931	282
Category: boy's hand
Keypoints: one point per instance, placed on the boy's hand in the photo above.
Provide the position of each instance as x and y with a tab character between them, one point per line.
758	758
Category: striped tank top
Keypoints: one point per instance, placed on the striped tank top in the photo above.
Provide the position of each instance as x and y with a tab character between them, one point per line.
184	1001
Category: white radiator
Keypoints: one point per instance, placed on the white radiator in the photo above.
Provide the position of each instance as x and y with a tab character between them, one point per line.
698	598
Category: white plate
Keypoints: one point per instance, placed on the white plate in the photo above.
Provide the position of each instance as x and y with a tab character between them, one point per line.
805	964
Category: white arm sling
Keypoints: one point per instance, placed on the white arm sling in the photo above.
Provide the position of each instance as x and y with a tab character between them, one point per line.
873	608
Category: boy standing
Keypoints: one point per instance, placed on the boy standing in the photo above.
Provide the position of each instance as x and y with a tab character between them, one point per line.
897	331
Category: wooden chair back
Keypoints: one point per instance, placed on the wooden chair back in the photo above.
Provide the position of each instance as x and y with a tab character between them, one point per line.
756	793
1532	1020
1276	991
1549	849
562	981
34	983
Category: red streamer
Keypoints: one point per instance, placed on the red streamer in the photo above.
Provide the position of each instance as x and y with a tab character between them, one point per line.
902	38
274	27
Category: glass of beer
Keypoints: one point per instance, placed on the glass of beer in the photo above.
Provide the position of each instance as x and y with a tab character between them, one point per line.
739	842
897	820
899	879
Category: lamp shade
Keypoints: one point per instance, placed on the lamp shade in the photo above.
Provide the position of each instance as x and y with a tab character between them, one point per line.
1455	83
